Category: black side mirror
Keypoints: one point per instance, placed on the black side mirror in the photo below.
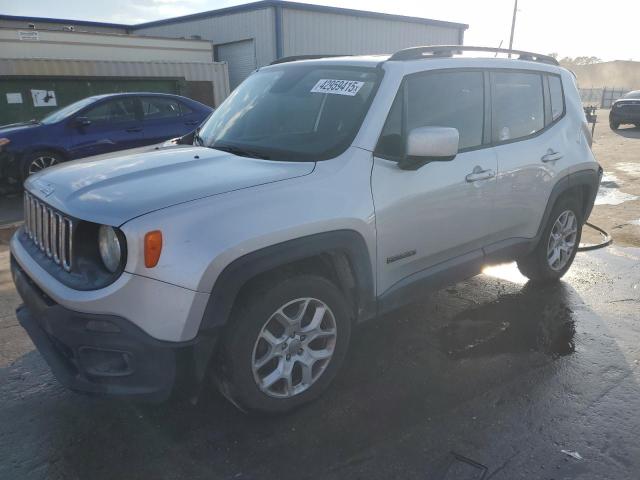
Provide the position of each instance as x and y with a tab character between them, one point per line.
83	122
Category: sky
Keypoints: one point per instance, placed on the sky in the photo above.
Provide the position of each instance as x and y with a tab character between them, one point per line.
607	30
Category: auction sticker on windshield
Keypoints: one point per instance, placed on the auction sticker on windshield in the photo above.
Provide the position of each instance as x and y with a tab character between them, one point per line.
337	87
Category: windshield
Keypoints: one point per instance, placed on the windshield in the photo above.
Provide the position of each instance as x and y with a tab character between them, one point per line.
292	112
67	111
634	94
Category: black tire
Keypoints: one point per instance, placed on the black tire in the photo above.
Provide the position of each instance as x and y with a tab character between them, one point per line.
535	266
235	376
614	125
43	157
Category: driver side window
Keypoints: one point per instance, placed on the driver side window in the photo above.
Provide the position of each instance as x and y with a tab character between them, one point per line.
435	99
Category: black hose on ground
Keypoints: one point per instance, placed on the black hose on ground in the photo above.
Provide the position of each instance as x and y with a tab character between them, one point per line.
607	240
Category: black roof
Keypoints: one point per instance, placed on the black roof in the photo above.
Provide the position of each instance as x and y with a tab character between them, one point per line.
243	8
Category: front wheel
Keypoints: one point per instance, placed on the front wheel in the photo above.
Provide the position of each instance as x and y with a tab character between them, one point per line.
614	125
285	344
38	161
558	244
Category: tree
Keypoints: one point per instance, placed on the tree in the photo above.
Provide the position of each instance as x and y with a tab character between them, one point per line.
568	61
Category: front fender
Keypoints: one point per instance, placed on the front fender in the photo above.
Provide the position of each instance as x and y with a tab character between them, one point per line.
240	271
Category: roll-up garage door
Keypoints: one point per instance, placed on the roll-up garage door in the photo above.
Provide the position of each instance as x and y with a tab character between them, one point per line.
241	57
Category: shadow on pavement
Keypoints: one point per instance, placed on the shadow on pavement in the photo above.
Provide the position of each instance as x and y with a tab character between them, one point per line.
10	207
628	131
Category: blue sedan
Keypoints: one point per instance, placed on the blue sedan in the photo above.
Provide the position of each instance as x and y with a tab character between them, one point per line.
95	125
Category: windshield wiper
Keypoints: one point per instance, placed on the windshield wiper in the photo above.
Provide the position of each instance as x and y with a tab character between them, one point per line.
242	152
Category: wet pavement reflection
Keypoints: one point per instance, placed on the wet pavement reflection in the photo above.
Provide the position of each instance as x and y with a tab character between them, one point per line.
493	376
534	319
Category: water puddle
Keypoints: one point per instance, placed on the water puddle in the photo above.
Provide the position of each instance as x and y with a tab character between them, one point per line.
629	168
610	194
507	271
535	319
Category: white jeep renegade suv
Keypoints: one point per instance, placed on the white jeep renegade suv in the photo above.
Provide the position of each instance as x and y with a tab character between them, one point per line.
320	194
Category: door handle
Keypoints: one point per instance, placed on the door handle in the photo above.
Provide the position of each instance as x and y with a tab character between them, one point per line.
192	122
134	129
479	174
551	156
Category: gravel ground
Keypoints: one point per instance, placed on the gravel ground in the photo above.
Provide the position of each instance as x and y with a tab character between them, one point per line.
618	204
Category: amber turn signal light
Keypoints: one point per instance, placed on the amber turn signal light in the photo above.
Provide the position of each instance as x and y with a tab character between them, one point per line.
152	248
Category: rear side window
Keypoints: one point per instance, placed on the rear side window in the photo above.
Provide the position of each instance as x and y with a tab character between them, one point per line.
518	105
557	97
435	99
155	107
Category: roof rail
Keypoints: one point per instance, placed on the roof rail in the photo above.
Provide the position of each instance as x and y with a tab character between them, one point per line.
439	51
295	58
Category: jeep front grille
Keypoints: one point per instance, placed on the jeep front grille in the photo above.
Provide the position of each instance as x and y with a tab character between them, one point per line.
49	230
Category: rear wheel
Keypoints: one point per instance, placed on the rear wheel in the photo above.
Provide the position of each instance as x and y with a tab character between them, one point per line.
558	244
38	161
285	344
614	125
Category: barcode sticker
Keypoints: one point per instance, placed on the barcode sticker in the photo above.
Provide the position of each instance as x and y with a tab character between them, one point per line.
337	87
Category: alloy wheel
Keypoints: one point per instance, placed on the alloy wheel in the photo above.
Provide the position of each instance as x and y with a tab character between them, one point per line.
562	240
42	162
294	347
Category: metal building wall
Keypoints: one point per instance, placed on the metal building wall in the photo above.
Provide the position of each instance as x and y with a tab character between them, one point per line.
227	28
312	32
215	73
91	46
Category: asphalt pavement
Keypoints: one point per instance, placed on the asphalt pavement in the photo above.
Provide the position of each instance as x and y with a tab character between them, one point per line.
10	208
492	377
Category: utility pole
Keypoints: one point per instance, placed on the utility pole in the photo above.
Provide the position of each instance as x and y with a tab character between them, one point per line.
513	24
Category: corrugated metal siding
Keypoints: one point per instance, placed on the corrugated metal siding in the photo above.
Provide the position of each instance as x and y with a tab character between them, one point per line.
314	32
89	46
213	72
257	25
241	58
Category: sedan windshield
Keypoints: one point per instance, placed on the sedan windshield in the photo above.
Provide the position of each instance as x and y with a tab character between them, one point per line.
292	112
67	111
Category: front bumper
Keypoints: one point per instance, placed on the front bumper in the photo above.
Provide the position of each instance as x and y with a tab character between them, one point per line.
625	115
108	355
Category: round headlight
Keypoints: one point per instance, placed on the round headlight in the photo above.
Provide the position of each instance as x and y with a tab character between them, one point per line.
110	248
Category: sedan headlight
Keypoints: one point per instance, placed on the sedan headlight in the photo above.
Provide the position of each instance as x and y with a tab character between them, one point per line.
110	248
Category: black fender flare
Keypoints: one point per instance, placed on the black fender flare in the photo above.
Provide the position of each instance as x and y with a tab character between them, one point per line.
240	271
589	178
